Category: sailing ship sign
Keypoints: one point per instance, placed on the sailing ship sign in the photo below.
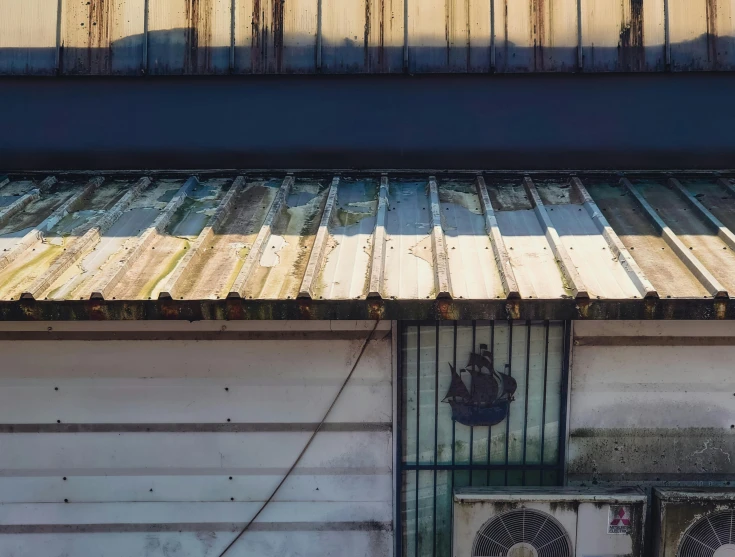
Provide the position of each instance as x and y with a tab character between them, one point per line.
488	399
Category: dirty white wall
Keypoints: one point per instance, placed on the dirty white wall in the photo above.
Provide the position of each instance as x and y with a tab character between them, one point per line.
652	403
165	446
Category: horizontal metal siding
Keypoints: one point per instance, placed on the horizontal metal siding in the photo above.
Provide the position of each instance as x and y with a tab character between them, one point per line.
176	444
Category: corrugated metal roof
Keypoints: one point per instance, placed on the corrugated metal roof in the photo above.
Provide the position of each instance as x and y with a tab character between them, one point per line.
367	236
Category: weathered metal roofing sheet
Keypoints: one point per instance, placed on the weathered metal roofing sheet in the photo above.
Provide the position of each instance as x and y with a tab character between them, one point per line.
135	37
370	237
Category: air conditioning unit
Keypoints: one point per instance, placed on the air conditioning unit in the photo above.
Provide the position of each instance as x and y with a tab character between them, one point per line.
548	522
694	522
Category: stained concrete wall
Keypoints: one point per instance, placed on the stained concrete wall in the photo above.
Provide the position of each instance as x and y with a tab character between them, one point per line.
652	403
156	440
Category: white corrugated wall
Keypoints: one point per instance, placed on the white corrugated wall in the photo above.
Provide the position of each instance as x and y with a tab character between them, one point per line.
127	448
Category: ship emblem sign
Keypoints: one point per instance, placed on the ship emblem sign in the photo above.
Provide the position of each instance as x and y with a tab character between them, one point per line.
487	401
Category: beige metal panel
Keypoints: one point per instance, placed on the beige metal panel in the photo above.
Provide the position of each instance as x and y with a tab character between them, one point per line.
623	35
449	35
536	35
362	36
514	36
153	261
702	34
280	267
694	231
276	36
667	272
654	34
688	31
724	43
189	36
39	252
214	273
28	36
473	269
597	265
349	249
409	259
612	35
102	37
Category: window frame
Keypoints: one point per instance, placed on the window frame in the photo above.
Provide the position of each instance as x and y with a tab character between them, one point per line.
400	467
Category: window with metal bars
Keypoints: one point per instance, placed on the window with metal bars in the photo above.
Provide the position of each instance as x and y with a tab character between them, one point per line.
480	404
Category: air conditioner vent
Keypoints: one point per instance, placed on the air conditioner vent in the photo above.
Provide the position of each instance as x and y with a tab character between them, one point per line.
711	536
522	533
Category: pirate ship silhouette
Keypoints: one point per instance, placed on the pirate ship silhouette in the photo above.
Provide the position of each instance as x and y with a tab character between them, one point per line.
488	400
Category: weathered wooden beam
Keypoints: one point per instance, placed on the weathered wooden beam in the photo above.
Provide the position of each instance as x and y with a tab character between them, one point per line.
238	287
568	269
442	283
110	278
170	287
320	244
502	259
377	260
617	248
86	243
712	285
722	231
36	234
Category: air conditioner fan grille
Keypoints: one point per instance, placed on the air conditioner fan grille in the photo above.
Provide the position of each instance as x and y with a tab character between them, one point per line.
522	526
708	534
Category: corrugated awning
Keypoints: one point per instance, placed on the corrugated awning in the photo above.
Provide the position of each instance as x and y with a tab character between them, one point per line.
361	245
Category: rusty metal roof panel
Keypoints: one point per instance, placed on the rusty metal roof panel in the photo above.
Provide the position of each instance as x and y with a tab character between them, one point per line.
368	236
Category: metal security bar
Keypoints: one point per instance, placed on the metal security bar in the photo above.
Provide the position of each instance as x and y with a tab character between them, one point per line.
480	403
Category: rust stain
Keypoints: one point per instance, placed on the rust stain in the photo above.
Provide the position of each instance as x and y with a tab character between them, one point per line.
382	62
278	11
632	50
469	35
720	309
448	6
257	39
366	39
712	54
538	27
505	32
98	47
198	36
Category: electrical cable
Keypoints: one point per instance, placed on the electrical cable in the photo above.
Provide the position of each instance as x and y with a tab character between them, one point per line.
308	443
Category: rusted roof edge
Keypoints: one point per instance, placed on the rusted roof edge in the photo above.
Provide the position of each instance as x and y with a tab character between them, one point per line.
236	309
